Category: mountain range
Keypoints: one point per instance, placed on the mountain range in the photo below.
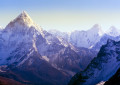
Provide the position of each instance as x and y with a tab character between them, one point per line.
30	55
93	38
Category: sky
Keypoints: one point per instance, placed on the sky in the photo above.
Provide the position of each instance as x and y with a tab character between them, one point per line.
64	15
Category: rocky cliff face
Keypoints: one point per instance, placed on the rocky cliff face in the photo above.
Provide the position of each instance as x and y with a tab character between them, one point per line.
101	67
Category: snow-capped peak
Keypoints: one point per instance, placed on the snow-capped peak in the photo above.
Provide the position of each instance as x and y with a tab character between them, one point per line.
23	19
96	29
113	31
23	22
96	26
112	28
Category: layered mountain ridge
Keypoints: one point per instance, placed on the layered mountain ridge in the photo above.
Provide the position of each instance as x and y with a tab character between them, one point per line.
91	39
31	55
27	51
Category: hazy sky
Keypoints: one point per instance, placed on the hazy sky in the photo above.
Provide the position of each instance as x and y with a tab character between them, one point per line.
64	15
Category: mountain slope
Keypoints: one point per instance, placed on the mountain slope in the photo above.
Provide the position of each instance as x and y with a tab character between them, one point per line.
101	68
35	71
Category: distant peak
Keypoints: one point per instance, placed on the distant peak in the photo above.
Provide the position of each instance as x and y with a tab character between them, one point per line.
96	26
96	29
113	31
112	28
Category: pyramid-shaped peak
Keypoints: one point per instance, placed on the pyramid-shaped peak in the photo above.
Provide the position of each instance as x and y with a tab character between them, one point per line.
22	24
24	17
22	20
24	14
